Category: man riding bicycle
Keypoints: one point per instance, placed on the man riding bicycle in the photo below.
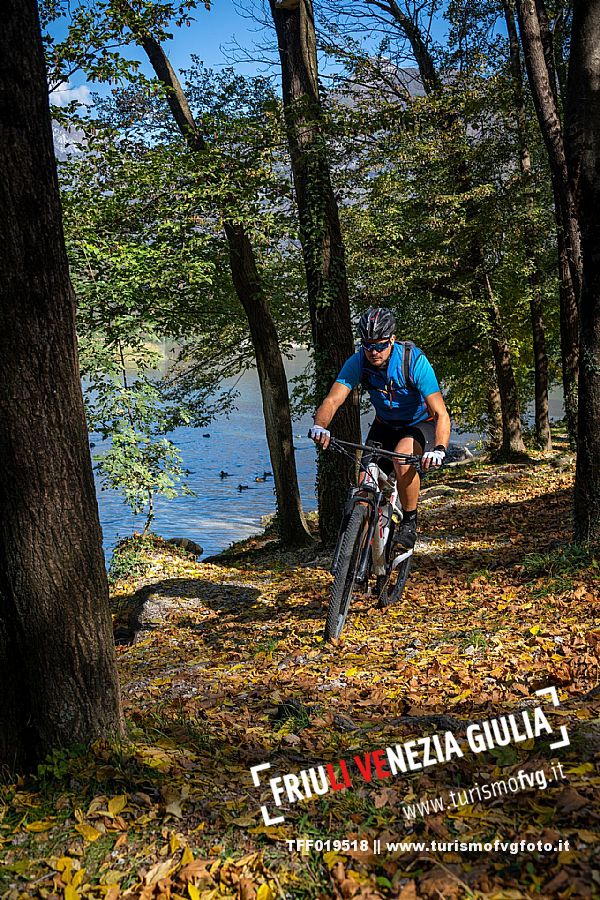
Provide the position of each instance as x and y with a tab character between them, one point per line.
411	416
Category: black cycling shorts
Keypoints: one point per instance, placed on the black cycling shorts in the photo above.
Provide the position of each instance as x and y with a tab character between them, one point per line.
389	435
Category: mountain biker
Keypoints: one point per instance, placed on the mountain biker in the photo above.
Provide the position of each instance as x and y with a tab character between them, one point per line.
411	416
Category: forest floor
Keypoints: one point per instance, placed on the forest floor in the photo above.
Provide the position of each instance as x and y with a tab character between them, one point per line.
228	670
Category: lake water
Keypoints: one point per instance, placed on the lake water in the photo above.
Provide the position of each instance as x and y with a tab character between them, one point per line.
219	514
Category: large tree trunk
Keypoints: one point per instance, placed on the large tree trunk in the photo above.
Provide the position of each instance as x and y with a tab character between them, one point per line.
321	239
540	357
57	661
537	52
494	405
291	523
569	335
273	385
583	147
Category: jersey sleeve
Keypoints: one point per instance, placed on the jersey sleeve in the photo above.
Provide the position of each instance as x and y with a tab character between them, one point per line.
351	371
423	375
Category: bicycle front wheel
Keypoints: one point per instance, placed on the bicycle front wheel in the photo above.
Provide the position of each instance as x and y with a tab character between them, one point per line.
397	583
353	543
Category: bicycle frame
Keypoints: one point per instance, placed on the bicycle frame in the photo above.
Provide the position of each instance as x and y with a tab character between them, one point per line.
370	491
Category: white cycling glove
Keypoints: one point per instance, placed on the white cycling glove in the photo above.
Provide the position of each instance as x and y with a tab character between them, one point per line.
435	457
320	435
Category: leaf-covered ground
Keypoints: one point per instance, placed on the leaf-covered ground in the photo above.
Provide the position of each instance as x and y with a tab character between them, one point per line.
228	669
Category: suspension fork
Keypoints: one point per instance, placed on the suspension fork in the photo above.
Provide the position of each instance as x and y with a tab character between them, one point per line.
373	523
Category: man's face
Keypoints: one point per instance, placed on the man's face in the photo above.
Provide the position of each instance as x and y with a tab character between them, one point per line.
379	357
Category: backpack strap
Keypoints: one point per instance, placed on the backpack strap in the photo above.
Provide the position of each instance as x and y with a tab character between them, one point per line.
407	355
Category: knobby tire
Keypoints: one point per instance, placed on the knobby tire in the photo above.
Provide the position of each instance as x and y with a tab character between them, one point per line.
346	571
398	579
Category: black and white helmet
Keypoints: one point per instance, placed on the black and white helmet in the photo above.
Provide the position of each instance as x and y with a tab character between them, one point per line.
376	324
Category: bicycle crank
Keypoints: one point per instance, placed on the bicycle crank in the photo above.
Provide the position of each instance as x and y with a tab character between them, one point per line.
401	557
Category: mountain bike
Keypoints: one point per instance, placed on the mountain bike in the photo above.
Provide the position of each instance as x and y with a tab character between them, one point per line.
365	547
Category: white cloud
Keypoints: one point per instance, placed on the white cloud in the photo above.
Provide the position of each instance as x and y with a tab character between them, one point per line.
68	92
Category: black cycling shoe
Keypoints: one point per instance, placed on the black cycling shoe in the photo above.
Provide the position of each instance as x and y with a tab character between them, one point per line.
406	534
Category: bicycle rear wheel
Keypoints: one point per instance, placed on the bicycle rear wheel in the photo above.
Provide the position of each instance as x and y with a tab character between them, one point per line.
353	543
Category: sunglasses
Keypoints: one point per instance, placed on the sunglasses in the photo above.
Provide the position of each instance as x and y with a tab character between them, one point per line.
377	347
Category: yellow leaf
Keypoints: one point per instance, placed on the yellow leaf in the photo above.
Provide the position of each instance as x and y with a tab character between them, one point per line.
117	804
352	671
265	893
581	769
275	832
174	843
245	860
71	893
187	857
331	858
42	825
78	878
193	892
535	629
89	832
463	695
357	876
63	864
112	877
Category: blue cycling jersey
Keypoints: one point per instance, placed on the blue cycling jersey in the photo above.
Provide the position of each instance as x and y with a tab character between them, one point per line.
395	402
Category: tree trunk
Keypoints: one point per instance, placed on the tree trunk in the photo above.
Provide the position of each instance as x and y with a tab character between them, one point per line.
321	239
536	50
292	525
512	439
273	385
57	660
540	357
583	147
494	404
569	336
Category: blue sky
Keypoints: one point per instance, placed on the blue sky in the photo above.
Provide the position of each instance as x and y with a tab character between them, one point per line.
209	36
212	36
212	32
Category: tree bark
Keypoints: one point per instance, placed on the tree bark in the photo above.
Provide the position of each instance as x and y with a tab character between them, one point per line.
536	50
540	357
494	405
57	660
292	526
569	335
321	239
273	384
583	148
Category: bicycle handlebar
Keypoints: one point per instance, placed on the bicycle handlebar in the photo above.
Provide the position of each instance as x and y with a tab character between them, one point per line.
407	458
